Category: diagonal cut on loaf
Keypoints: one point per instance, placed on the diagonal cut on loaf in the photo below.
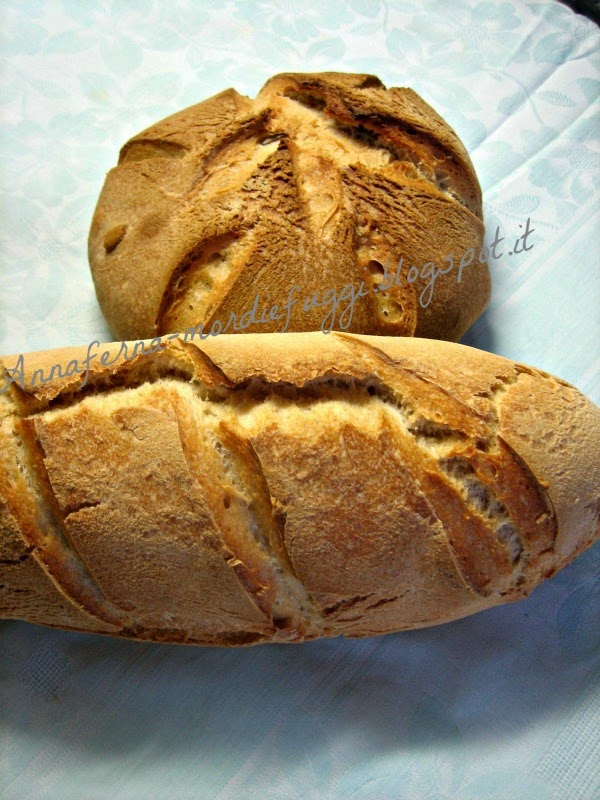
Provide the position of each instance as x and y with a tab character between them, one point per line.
319	182
281	488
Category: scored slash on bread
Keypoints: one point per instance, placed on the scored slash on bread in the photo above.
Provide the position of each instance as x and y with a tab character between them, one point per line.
281	488
318	182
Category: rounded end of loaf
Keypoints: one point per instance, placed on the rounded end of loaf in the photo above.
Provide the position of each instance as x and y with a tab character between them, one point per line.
556	431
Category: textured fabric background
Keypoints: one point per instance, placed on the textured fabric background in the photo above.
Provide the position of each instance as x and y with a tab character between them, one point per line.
502	705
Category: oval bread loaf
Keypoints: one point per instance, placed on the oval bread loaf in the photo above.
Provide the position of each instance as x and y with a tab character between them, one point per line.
321	182
285	487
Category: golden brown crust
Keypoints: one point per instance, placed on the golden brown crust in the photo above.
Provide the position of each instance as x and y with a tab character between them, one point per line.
281	488
320	182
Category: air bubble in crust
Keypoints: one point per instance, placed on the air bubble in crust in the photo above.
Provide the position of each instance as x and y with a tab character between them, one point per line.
375	268
114	237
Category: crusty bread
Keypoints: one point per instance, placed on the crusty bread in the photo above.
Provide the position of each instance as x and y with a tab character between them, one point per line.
268	487
320	182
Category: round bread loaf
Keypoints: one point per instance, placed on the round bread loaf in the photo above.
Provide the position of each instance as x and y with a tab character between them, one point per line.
327	202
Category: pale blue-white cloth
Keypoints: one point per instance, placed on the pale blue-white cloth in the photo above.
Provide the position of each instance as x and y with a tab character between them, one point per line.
499	706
